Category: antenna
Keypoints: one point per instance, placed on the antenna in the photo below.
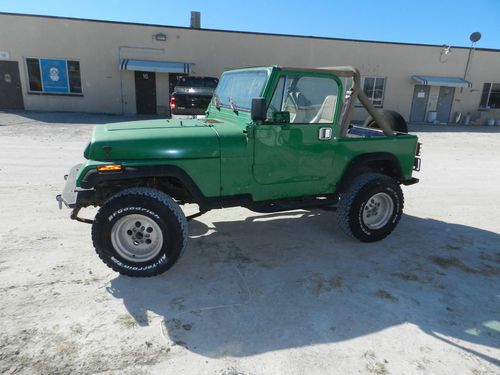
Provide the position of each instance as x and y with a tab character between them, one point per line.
475	36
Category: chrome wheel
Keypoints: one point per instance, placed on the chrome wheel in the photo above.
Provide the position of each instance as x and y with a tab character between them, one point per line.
137	238
378	211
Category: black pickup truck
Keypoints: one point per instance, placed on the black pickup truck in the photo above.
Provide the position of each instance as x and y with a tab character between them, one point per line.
192	95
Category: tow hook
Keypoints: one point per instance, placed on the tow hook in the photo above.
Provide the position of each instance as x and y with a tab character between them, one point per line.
74	216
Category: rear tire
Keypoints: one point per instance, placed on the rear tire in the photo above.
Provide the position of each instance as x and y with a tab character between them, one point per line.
395	120
371	207
140	232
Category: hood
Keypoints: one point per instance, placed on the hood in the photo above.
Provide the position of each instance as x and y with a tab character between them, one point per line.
153	139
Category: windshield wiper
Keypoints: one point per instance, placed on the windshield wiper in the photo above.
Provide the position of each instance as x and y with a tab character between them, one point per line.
217	102
233	105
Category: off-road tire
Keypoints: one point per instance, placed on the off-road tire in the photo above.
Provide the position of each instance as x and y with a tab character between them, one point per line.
352	203
155	207
395	120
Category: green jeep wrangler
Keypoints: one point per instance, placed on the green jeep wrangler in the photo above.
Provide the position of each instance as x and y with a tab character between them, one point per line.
273	139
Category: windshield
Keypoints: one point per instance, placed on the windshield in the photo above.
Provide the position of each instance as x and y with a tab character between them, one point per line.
237	89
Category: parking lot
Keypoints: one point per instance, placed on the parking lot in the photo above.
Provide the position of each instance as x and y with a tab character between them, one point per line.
281	293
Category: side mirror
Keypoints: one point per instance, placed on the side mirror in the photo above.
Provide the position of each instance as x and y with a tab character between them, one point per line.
259	110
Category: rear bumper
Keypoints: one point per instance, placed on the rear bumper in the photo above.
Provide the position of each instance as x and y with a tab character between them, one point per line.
411	181
71	195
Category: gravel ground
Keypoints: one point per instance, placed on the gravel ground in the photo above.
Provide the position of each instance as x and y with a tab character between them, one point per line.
283	293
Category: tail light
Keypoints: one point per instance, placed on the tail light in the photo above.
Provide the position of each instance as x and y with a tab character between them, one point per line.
172	102
419	149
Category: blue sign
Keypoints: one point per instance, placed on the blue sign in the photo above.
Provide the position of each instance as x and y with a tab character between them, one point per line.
54	75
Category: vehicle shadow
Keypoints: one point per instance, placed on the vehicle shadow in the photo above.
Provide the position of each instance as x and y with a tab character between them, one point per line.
288	280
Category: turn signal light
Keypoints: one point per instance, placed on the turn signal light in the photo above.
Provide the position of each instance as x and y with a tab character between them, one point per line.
110	168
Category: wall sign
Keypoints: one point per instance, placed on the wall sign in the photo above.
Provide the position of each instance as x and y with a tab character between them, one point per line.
4	55
54	75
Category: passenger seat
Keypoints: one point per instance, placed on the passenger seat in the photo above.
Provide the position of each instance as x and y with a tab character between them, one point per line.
327	110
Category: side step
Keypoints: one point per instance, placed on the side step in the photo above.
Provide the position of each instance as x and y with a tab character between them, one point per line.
289	205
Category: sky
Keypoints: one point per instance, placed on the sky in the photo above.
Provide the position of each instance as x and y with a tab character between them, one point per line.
409	21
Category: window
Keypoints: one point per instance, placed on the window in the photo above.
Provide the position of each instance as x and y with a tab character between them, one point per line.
54	76
198	82
374	90
306	99
491	96
35	79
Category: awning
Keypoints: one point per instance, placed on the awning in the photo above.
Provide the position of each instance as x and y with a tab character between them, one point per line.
154	66
441	81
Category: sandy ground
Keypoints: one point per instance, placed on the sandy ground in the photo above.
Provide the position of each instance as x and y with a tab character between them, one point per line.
280	293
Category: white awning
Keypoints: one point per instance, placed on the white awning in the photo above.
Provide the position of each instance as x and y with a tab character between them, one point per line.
155	66
441	81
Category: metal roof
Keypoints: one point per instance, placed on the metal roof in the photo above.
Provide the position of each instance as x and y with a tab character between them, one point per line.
155	66
441	81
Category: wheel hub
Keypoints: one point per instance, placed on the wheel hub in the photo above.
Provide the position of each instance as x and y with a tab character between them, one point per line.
378	210
137	238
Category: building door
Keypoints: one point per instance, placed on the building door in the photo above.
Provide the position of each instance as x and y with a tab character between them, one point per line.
419	103
145	93
11	94
444	103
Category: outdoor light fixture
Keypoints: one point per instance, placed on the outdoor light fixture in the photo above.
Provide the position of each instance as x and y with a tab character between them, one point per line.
160	37
446	50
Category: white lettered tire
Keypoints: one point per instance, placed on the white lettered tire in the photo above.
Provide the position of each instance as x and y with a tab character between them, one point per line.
371	207
140	232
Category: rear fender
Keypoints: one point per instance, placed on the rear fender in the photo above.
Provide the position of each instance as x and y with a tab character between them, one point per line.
379	162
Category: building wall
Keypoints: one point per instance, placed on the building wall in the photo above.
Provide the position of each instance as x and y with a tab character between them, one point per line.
100	45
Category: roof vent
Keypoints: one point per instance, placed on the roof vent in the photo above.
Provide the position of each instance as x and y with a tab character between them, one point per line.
195	20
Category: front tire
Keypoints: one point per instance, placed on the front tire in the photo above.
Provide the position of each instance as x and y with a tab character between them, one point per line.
140	232
371	207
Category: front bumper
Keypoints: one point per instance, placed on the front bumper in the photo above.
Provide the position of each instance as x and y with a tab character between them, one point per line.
71	194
